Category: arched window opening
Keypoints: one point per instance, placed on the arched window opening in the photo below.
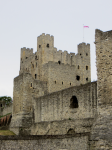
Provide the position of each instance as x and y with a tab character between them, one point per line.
26	57
55	82
47	45
78	67
80	54
21	58
86	79
71	131
36	64
26	68
73	102
62	82
35	76
59	62
31	84
86	67
1	105
70	83
86	54
78	78
39	46
35	57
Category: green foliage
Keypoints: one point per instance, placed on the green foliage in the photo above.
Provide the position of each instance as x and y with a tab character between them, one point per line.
7	99
5	115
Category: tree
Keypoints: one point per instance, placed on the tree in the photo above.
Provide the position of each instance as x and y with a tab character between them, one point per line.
7	99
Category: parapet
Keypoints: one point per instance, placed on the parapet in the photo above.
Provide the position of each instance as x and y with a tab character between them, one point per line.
46	36
83	46
27	49
26	52
100	35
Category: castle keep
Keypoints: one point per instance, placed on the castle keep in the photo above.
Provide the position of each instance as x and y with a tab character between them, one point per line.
55	101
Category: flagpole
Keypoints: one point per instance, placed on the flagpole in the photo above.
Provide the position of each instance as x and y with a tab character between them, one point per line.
83	32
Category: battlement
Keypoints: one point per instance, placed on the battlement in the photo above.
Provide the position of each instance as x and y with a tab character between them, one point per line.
46	36
100	35
26	49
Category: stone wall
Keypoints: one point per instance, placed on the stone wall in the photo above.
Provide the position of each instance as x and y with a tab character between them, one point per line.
101	135
62	127
56	106
6	109
59	142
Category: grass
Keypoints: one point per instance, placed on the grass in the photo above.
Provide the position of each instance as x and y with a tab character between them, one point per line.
6	132
5	115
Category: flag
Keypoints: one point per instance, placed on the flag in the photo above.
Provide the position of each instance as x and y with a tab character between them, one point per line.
86	26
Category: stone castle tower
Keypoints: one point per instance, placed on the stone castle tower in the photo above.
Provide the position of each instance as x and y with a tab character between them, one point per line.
47	71
102	128
51	97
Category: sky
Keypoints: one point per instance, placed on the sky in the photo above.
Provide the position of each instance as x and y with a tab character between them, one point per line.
22	21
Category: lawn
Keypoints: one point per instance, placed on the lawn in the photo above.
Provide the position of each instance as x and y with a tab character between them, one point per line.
6	132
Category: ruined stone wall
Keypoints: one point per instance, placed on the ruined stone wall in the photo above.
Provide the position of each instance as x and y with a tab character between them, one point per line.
101	135
25	88
56	106
62	127
72	142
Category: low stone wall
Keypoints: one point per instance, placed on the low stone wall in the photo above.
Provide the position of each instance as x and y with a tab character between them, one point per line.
62	127
57	142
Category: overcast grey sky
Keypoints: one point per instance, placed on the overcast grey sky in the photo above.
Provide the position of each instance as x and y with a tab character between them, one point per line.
21	21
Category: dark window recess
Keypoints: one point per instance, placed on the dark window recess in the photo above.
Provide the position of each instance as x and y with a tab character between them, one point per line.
86	79
36	64
33	65
86	54
47	45
22	61
78	78
55	82
35	76
59	62
78	66
26	57
1	105
21	58
62	82
35	57
71	131
26	68
70	83
39	46
80	54
31	84
73	102
86	67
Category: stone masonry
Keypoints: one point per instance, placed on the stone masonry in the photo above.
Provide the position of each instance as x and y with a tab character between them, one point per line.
55	101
